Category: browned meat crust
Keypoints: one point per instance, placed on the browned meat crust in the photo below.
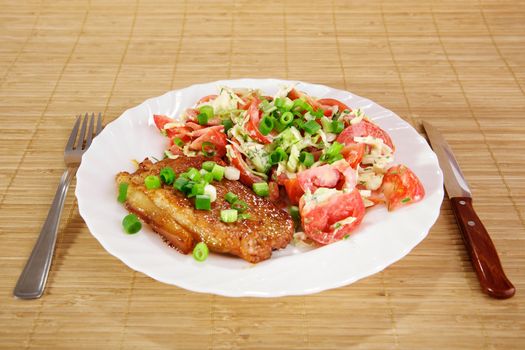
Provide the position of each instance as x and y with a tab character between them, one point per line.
173	216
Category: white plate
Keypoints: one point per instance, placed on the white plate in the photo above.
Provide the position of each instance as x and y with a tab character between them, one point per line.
381	239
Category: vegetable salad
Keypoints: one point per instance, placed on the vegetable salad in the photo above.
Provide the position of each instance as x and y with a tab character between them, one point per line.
322	160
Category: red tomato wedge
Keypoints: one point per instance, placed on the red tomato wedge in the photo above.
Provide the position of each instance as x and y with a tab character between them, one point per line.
401	186
322	176
293	190
252	127
328	221
337	175
200	132
247	178
294	95
362	129
161	120
193	126
353	153
214	136
207	99
330	102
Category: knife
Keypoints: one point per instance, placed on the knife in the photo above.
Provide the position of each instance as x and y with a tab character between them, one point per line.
476	238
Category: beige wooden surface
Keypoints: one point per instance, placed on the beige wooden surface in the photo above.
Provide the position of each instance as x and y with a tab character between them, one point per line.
457	64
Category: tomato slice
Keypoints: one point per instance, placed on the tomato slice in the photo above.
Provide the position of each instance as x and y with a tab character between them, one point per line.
401	186
193	126
207	99
353	153
330	102
212	135
322	176
336	175
362	129
330	220
161	120
200	132
252	127
247	178
294	95
293	190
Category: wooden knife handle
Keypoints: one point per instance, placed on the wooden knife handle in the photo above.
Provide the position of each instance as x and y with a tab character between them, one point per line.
481	250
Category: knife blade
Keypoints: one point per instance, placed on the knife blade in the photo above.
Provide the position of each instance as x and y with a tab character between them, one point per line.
480	247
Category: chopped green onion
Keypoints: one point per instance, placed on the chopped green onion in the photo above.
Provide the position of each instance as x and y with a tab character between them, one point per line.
230	197
202	202
327	125
346	236
301	104
193	174
311	127
278	155
208	110
202	119
294	212
267	107
240	206
218	172
337	126
152	182
334	158
307	159
208	166
186	189
122	192
197	189
266	125
131	224
207	177
229	215
261	189
208	149
167	175
200	252
286	118
279	126
407	199
317	114
228	124
177	141
288	104
334	149
180	183
279	102
264	104
298	123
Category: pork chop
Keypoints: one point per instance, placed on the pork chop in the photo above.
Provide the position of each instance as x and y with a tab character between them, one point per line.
172	215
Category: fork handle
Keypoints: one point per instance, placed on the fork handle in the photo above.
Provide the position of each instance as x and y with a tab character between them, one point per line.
32	281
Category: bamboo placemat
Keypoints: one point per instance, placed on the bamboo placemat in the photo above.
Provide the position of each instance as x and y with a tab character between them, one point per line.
459	65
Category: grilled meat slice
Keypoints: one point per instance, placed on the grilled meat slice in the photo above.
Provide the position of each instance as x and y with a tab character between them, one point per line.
174	216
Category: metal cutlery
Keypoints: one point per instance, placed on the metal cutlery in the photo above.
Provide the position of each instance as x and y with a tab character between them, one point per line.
31	282
482	251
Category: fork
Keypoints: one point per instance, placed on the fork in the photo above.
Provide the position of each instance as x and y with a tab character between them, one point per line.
32	281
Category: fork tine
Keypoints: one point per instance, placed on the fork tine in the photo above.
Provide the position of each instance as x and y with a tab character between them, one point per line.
90	130
73	135
82	133
99	124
